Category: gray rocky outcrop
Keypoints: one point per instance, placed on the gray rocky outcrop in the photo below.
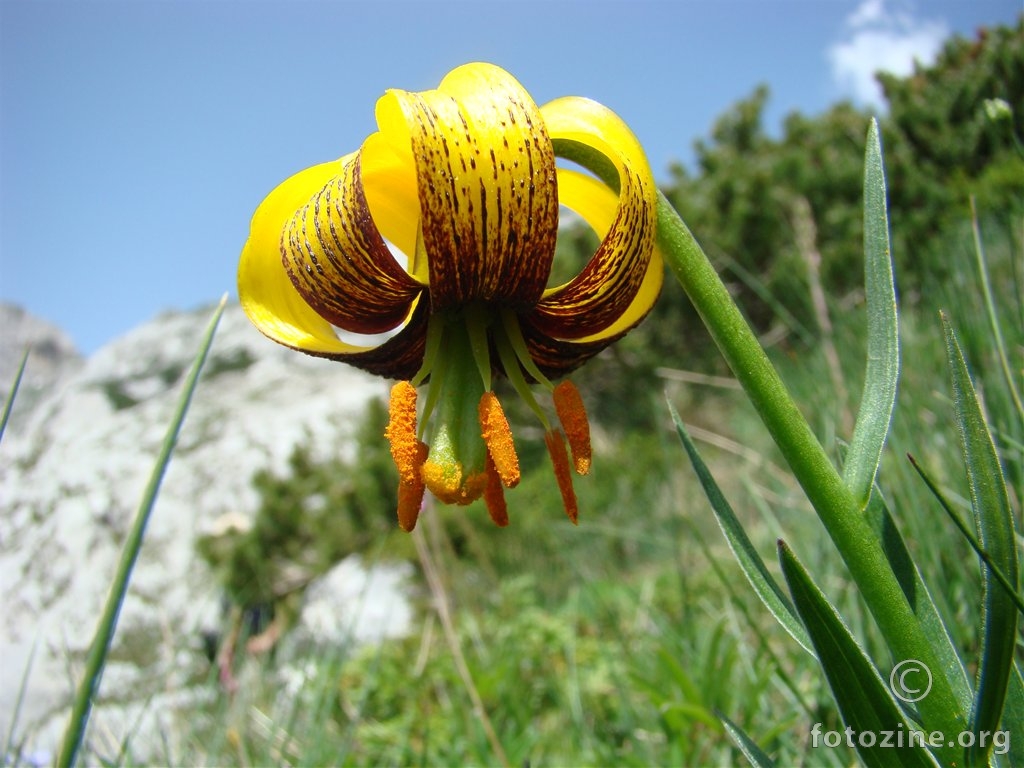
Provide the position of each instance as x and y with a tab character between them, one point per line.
73	467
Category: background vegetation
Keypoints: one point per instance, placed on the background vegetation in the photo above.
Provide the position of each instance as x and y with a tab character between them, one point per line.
620	641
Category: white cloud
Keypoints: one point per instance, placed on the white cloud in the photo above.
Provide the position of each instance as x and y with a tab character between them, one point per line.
875	38
867	13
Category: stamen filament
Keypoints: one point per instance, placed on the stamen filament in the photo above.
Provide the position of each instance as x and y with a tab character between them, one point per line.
560	459
436	384
515	337
435	332
573	415
510	363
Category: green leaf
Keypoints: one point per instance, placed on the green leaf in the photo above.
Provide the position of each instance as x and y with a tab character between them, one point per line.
864	701
920	598
9	402
750	561
10	753
993	522
990	310
765	643
100	646
883	364
754	754
1012	738
986	558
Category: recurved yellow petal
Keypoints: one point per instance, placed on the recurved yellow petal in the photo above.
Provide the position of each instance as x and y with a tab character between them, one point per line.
264	289
598	206
276	308
619	285
485	176
389	181
339	262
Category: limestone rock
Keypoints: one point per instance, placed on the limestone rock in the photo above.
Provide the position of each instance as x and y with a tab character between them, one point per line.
72	473
53	358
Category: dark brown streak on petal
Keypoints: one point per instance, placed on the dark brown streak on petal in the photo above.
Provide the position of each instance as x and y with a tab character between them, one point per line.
400	357
340	264
490	235
558	357
605	288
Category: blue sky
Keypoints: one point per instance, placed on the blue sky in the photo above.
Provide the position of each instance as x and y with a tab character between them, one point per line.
136	138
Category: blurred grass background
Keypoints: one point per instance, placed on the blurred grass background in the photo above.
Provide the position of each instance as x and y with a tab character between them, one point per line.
617	642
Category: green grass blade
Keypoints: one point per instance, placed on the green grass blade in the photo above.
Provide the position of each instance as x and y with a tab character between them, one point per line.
993	521
864	701
990	309
986	558
763	292
754	754
12	728
883	364
764	641
100	646
750	561
920	598
9	402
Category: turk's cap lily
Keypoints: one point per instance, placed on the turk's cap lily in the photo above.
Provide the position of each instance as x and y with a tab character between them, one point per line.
462	183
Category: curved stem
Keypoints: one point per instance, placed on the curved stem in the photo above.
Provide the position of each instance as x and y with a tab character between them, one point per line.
835	505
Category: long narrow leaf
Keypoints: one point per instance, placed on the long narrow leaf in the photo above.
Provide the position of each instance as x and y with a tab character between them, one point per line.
994	527
750	561
990	310
100	646
765	644
1011	739
12	729
864	701
883	364
986	558
920	598
9	402
754	754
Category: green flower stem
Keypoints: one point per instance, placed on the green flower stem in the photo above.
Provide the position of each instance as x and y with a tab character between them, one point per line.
835	505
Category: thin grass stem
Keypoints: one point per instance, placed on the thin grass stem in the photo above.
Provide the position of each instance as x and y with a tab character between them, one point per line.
9	402
98	650
990	308
444	613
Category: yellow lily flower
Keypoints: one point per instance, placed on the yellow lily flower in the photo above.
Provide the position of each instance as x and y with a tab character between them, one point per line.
460	181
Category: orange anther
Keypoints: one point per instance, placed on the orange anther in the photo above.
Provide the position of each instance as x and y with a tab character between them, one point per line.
560	459
494	496
573	415
410	495
498	438
401	432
